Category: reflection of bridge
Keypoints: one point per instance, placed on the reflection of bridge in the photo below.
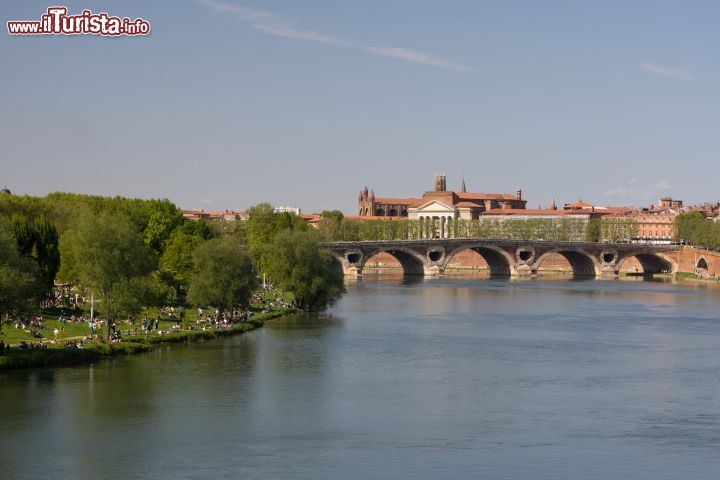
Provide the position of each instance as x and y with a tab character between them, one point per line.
507	257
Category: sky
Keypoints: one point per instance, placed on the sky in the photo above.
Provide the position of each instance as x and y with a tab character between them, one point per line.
229	103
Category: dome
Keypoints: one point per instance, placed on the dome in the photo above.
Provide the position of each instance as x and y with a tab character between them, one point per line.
5	190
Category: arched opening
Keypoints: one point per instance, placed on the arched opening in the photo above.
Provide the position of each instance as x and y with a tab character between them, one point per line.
393	212
645	264
467	261
702	263
495	262
403	213
379	212
382	261
580	262
398	261
555	264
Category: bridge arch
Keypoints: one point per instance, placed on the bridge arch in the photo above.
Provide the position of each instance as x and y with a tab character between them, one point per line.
499	261
655	262
583	263
702	263
411	262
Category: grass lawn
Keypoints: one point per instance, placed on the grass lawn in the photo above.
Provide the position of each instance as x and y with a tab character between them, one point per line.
80	329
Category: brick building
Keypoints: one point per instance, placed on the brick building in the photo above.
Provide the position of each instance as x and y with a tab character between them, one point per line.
462	204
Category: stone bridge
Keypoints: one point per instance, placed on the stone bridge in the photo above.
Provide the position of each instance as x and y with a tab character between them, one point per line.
508	257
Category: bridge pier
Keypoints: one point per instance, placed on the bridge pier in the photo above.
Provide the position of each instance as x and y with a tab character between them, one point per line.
522	270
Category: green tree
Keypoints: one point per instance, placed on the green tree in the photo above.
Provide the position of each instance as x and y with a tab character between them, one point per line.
130	295
38	239
47	251
163	218
300	266
263	225
224	275
104	251
592	230
20	282
176	262
692	228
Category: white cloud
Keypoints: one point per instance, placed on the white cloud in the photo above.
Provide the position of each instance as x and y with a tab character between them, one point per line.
273	25
412	56
284	30
617	192
639	193
674	73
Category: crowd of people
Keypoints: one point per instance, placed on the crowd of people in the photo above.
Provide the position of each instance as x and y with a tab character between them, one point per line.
101	330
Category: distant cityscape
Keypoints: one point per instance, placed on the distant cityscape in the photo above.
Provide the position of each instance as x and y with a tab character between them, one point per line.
655	222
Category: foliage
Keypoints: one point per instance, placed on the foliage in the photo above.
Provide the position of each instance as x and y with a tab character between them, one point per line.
693	228
20	277
131	294
38	239
224	275
263	225
300	266
176	262
163	219
104	251
618	229
614	229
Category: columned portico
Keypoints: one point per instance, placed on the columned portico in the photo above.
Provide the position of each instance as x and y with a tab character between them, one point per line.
436	218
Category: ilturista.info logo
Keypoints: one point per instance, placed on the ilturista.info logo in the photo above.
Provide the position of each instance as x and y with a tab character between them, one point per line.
57	22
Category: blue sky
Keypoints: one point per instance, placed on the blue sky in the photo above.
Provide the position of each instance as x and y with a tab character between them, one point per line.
230	103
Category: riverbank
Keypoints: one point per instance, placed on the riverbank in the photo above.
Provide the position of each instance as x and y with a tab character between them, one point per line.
91	351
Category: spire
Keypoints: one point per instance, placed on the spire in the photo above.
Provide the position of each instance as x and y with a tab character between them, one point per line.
462	185
372	195
553	205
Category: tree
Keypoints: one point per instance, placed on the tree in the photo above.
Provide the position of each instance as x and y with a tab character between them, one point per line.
20	281
176	262
104	251
38	239
224	275
299	265
592	230
163	218
692	228
263	225
46	251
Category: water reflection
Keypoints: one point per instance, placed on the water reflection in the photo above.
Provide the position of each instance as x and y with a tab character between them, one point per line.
445	377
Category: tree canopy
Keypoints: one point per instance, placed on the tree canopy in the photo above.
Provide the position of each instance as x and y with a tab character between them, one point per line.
224	275
20	277
298	264
103	251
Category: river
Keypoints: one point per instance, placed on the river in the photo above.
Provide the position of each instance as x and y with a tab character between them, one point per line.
439	378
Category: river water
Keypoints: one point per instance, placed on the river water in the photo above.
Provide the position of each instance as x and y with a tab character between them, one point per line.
424	379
